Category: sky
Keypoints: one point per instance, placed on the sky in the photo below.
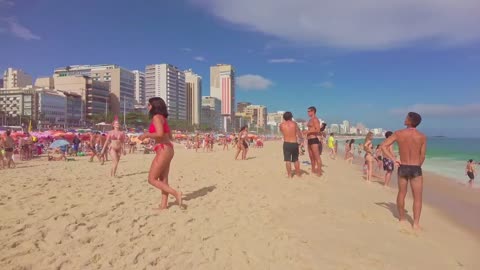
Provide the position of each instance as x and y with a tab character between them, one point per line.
367	61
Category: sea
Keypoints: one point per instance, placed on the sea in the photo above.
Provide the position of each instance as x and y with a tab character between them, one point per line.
445	156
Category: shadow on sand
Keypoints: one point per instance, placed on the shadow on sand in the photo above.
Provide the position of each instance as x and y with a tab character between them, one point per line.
393	209
132	174
199	193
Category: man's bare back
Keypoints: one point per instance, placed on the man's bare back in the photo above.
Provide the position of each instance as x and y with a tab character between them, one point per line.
290	131
412	145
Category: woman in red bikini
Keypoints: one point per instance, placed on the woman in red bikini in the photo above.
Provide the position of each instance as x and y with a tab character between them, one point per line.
115	143
160	132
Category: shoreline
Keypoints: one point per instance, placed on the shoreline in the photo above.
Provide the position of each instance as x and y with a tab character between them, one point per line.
454	200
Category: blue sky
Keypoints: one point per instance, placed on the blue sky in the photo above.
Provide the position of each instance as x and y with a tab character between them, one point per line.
369	63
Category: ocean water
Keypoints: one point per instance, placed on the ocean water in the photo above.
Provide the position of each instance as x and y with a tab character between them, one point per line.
445	156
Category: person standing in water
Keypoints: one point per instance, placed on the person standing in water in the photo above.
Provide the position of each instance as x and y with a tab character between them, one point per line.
160	168
412	145
115	142
470	172
313	130
291	136
388	164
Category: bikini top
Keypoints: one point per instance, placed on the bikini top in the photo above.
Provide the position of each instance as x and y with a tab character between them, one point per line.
115	137
166	128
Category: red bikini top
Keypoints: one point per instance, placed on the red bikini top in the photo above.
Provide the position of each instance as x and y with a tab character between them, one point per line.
166	128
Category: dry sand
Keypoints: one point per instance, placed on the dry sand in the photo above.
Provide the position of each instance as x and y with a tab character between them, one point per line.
239	215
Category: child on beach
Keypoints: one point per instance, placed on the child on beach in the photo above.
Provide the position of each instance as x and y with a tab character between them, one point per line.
470	172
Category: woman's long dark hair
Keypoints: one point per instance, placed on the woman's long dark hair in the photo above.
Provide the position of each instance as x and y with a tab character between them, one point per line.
351	142
243	128
158	107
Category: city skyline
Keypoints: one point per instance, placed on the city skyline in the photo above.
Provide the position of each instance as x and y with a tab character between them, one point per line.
366	78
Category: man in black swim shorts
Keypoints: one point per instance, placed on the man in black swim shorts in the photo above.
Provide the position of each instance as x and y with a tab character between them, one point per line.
313	131
291	136
412	146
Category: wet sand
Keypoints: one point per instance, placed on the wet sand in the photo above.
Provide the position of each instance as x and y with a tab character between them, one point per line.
238	215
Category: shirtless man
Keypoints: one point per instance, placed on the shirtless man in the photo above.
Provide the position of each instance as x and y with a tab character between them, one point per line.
412	146
313	142
470	172
291	136
9	147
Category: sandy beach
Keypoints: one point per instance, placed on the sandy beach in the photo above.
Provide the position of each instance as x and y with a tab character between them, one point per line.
237	215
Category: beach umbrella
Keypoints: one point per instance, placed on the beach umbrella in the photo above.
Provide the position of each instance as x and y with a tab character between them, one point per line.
59	143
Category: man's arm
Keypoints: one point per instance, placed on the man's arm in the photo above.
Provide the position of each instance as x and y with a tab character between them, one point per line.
315	127
423	150
385	146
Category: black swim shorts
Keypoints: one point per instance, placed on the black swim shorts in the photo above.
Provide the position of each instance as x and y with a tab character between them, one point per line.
290	151
313	141
409	171
471	175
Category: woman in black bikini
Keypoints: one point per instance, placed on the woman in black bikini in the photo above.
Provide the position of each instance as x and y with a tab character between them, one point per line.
242	145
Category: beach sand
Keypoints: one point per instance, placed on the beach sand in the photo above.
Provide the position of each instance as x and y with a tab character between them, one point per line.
238	215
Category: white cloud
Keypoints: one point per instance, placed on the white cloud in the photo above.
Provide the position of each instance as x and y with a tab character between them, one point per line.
327	84
199	58
440	110
283	61
19	30
331	74
253	82
357	25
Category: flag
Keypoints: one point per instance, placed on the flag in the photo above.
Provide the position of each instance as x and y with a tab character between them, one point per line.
30	126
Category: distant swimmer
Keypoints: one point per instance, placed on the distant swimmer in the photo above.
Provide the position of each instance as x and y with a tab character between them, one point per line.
313	142
471	172
291	136
412	145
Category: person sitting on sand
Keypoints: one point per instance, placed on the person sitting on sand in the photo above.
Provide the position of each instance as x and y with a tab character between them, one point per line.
470	172
60	155
160	132
291	136
412	145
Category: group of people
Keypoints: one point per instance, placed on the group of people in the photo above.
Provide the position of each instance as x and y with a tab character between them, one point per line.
412	151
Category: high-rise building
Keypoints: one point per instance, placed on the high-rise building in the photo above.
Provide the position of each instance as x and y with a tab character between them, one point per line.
346	125
13	78
211	113
139	84
274	120
58	108
17	105
334	128
95	94
45	82
222	86
194	97
120	81
168	82
241	106
1	82
257	114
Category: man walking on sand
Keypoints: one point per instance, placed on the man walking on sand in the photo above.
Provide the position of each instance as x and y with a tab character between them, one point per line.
412	146
291	136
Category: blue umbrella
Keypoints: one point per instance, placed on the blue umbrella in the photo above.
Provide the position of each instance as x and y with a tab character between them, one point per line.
59	143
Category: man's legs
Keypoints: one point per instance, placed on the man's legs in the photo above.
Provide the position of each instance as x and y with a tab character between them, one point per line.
417	189
312	159
297	168
288	165
316	156
402	192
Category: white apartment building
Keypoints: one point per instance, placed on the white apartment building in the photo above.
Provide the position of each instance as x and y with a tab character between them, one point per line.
120	80
168	82
13	78
194	96
139	83
222	86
